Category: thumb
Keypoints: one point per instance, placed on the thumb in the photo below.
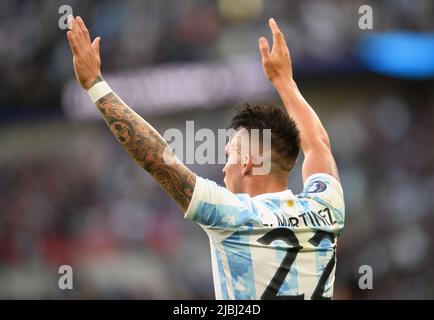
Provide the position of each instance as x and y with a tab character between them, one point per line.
96	45
264	48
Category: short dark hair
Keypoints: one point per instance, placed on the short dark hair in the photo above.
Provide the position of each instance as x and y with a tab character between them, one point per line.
285	136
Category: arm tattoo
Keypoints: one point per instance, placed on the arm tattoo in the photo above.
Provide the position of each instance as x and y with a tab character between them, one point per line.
96	80
147	146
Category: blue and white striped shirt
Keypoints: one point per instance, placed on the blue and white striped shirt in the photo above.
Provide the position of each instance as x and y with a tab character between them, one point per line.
274	245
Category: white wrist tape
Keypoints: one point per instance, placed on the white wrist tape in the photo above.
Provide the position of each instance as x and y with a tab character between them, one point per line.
99	90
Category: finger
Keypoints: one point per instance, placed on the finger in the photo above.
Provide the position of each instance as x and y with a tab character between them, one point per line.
81	24
71	22
84	32
96	45
72	42
273	25
264	48
278	37
73	25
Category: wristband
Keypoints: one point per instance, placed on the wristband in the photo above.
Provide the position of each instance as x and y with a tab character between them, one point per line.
99	90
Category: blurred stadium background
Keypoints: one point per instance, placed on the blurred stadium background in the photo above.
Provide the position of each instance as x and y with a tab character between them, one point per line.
70	195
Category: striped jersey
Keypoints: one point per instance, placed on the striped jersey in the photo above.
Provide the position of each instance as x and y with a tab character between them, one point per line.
274	245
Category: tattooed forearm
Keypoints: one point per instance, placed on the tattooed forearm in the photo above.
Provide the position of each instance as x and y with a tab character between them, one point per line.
147	147
96	80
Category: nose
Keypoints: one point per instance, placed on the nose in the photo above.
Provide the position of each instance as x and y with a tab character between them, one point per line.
225	169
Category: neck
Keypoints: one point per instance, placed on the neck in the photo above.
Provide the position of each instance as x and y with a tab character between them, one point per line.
264	184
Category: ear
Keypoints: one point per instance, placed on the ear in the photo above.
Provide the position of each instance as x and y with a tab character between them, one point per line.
247	165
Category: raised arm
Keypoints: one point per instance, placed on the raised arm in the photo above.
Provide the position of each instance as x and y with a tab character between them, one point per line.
144	144
315	142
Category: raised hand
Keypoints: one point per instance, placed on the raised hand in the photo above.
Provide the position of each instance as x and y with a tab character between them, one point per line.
86	56
277	64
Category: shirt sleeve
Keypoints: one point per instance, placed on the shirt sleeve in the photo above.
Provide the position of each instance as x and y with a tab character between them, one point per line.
326	190
213	206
